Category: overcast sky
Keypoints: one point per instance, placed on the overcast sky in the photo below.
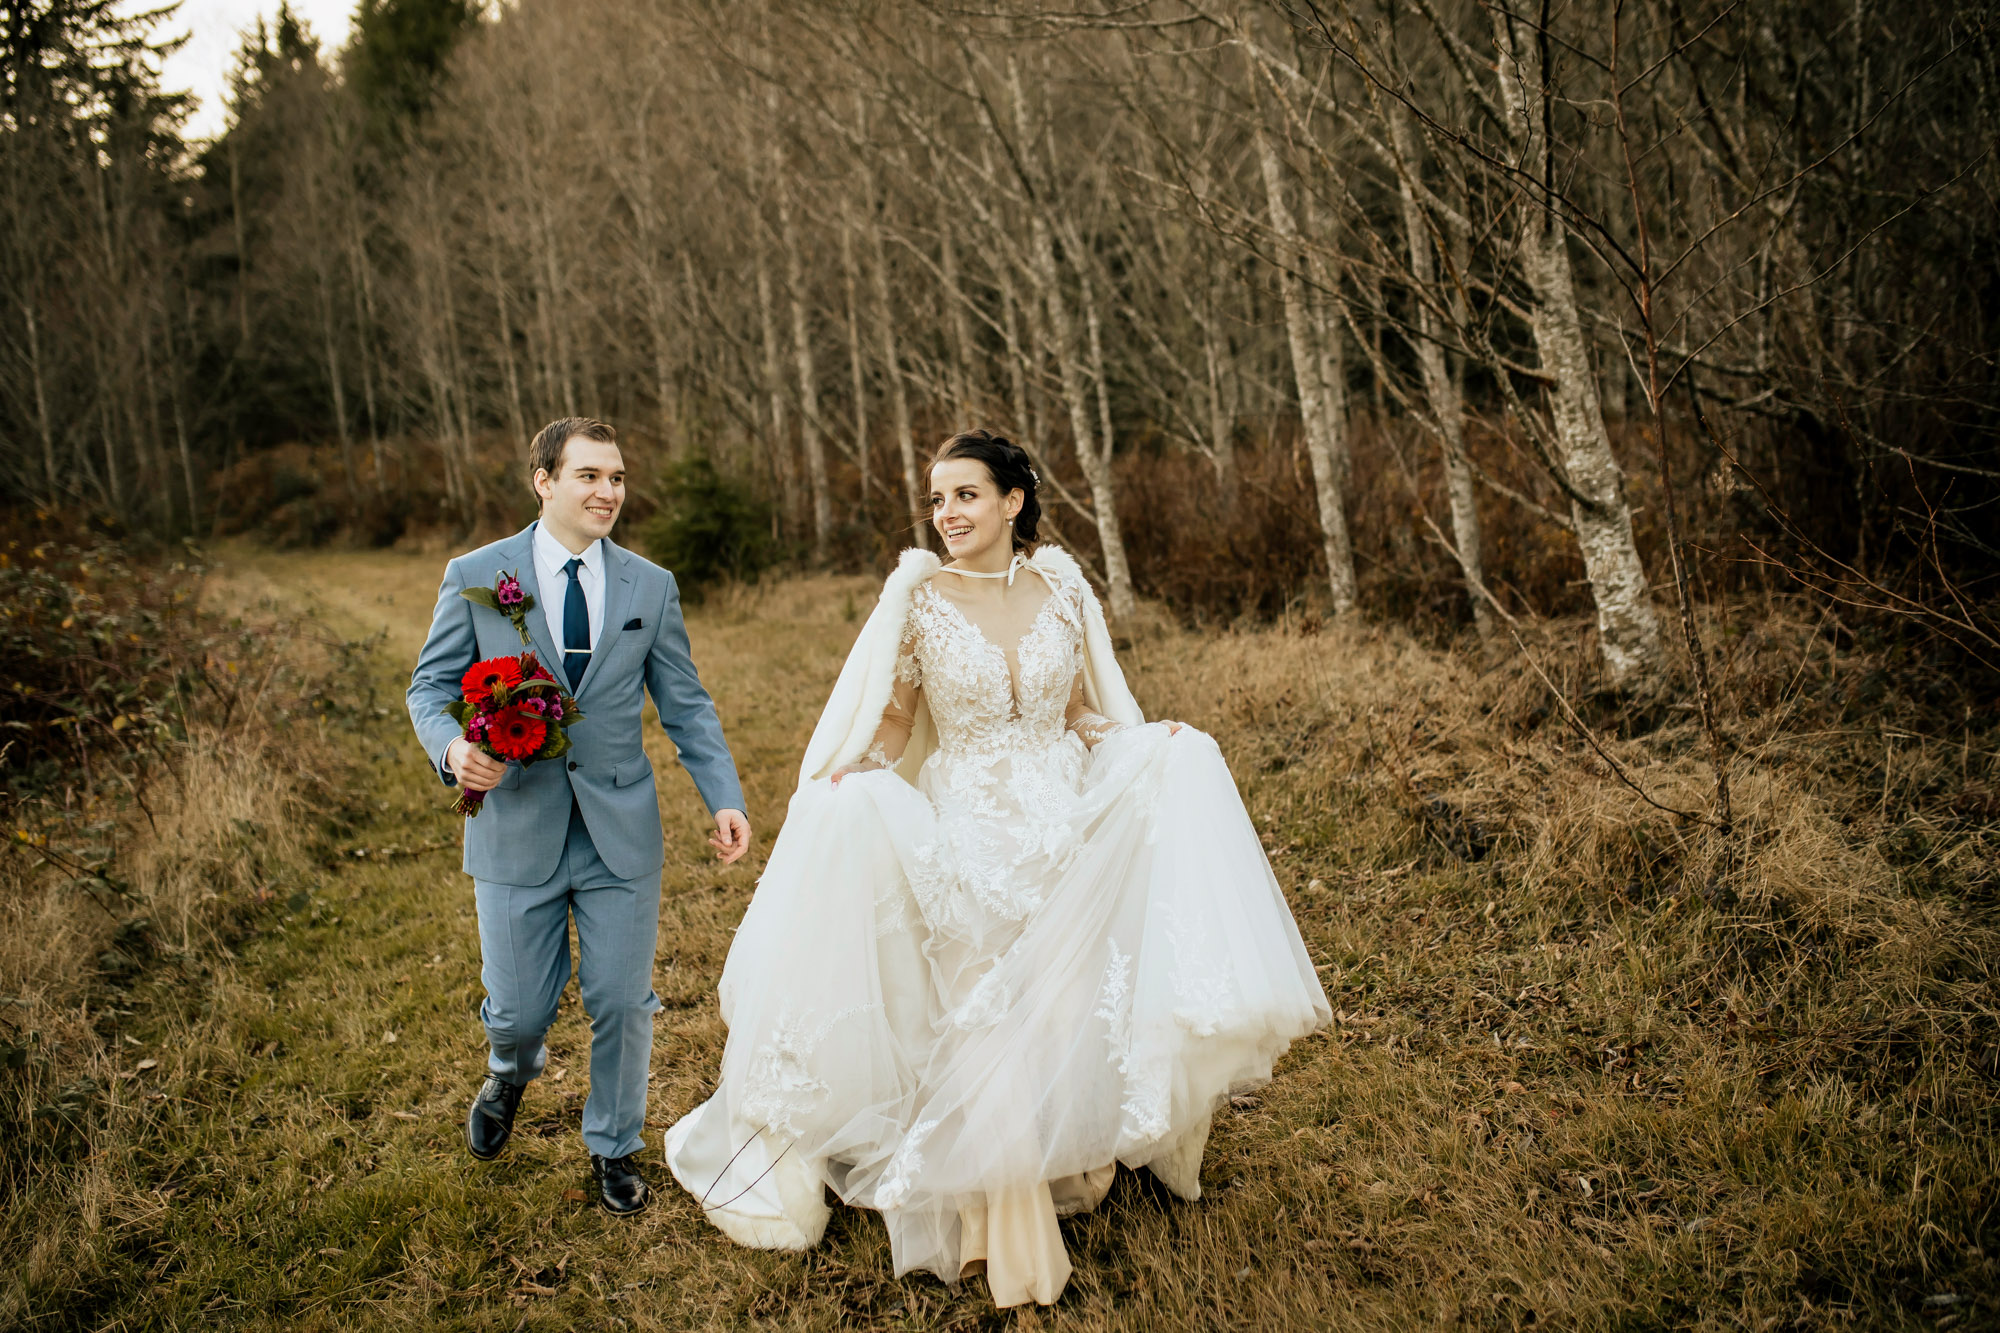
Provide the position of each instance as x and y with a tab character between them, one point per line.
202	66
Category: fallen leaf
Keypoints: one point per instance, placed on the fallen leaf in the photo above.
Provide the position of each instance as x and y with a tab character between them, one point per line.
388	1038
575	1196
406	1115
1512	1089
144	1065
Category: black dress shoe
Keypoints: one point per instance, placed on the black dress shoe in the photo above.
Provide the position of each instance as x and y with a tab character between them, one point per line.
490	1123
619	1187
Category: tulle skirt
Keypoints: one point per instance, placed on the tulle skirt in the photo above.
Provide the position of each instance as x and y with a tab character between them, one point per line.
971	1071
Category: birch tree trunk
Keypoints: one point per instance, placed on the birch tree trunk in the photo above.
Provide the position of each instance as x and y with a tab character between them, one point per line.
774	384
517	416
43	428
365	319
892	362
962	379
1628	626
562	363
802	353
175	373
1440	385
1329	325
334	379
1093	455
1027	424
857	356
1307	366
1221	412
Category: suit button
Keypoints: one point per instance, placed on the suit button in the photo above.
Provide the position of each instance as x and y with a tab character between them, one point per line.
572	765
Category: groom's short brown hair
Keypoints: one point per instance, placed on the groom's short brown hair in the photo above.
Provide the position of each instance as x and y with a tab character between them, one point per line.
545	451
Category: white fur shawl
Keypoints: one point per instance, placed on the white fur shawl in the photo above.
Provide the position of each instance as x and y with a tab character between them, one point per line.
854	710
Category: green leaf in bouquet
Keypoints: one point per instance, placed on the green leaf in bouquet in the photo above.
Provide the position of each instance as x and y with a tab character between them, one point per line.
556	746
459	711
485	597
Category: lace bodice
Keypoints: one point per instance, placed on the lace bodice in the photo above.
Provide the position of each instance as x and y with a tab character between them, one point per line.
1001	670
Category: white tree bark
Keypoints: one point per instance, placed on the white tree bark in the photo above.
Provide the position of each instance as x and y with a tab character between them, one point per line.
1440	386
892	360
780	443
962	369
1315	411
857	356
810	440
1093	455
1628	626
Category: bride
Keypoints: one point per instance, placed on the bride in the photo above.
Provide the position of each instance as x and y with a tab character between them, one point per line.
1011	935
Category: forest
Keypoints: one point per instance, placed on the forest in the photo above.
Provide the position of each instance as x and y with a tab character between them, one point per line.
1441	313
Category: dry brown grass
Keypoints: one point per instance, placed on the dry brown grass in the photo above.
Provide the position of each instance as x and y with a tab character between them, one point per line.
117	915
1612	1073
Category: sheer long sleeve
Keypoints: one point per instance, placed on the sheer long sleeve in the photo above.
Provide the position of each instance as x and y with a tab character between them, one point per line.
899	716
1090	727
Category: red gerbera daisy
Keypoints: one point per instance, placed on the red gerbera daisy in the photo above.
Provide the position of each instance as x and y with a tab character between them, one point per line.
516	733
487	676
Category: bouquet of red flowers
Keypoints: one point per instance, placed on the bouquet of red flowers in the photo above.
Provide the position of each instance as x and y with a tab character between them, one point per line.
512	709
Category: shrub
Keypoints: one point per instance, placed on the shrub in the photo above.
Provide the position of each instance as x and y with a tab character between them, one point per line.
710	527
155	759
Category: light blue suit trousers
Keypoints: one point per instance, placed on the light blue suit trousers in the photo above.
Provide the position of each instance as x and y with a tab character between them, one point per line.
525	963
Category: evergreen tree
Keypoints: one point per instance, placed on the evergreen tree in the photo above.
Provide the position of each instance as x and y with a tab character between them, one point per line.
397	56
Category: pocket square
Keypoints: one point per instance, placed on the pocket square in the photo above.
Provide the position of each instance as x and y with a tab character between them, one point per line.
634	623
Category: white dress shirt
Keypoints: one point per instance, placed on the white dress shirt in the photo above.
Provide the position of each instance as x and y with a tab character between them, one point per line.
553	595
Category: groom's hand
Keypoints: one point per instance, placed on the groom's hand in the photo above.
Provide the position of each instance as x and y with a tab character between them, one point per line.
474	768
731	837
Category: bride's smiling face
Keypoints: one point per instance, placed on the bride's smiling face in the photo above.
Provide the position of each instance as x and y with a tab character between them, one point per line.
969	510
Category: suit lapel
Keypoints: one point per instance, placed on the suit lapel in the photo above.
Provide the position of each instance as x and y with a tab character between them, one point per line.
520	554
617	601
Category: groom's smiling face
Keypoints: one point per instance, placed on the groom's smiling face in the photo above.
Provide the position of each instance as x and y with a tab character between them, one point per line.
581	503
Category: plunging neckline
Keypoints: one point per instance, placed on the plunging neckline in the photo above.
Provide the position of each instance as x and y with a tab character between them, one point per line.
1011	668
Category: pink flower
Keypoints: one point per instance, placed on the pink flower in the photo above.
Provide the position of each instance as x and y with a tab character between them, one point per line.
534	704
556	709
507	589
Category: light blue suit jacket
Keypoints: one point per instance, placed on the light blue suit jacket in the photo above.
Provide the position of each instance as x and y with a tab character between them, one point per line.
519	837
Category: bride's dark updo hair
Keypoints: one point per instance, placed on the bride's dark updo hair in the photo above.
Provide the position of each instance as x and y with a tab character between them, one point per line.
1007	463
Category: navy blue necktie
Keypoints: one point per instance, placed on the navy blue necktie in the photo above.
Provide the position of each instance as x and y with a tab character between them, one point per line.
576	626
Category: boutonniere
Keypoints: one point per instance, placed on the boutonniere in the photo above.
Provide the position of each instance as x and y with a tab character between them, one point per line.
506	596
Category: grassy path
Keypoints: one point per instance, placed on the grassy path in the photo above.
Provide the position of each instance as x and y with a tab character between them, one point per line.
1539	1106
355	1193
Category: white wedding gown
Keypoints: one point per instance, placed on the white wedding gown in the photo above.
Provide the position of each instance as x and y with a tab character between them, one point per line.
963	1002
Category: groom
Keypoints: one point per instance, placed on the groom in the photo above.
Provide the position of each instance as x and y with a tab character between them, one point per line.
580	836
